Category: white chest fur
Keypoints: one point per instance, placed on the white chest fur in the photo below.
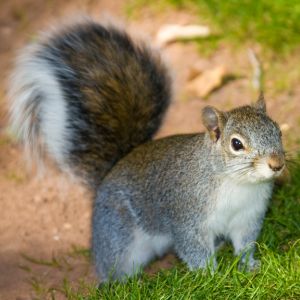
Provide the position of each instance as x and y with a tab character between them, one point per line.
238	204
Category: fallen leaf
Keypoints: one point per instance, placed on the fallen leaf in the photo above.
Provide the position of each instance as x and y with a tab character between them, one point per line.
284	127
171	33
207	81
195	70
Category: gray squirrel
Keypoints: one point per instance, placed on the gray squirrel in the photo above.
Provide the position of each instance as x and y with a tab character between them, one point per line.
91	98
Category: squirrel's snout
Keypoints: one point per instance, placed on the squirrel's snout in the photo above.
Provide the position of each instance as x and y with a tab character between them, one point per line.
276	162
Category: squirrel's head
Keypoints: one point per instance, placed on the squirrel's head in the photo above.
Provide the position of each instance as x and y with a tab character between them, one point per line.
248	141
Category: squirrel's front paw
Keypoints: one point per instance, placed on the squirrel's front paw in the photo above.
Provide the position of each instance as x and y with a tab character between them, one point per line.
249	265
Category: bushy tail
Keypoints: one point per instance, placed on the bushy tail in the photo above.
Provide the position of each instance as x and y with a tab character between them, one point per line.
86	96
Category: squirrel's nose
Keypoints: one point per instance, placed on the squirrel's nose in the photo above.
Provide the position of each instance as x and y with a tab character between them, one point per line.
276	162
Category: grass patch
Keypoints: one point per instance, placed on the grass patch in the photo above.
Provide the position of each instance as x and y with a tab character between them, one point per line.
52	278
14	176
272	24
133	8
278	278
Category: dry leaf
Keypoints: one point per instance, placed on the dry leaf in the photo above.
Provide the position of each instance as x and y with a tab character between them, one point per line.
171	33
284	127
206	82
196	69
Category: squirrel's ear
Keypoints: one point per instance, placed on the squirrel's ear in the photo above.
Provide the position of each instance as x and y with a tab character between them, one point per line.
260	104
213	120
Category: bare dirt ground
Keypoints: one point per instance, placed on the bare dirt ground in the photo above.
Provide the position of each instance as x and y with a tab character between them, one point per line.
45	223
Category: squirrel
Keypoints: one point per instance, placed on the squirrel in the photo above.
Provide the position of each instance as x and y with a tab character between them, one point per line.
92	98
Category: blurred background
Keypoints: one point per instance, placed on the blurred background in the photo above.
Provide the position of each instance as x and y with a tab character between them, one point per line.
240	48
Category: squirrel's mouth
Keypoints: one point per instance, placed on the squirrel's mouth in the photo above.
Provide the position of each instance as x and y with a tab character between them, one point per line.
258	169
270	167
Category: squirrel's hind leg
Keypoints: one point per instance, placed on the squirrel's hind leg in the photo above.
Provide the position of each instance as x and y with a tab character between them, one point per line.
144	248
120	247
195	246
113	233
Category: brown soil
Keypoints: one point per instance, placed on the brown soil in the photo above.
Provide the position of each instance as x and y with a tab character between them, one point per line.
45	223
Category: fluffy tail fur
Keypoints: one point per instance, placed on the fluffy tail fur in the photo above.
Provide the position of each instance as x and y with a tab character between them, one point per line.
86	96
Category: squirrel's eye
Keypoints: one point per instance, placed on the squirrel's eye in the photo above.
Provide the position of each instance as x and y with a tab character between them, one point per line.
237	144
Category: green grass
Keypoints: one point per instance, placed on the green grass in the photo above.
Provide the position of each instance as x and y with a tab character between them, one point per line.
278	278
274	24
